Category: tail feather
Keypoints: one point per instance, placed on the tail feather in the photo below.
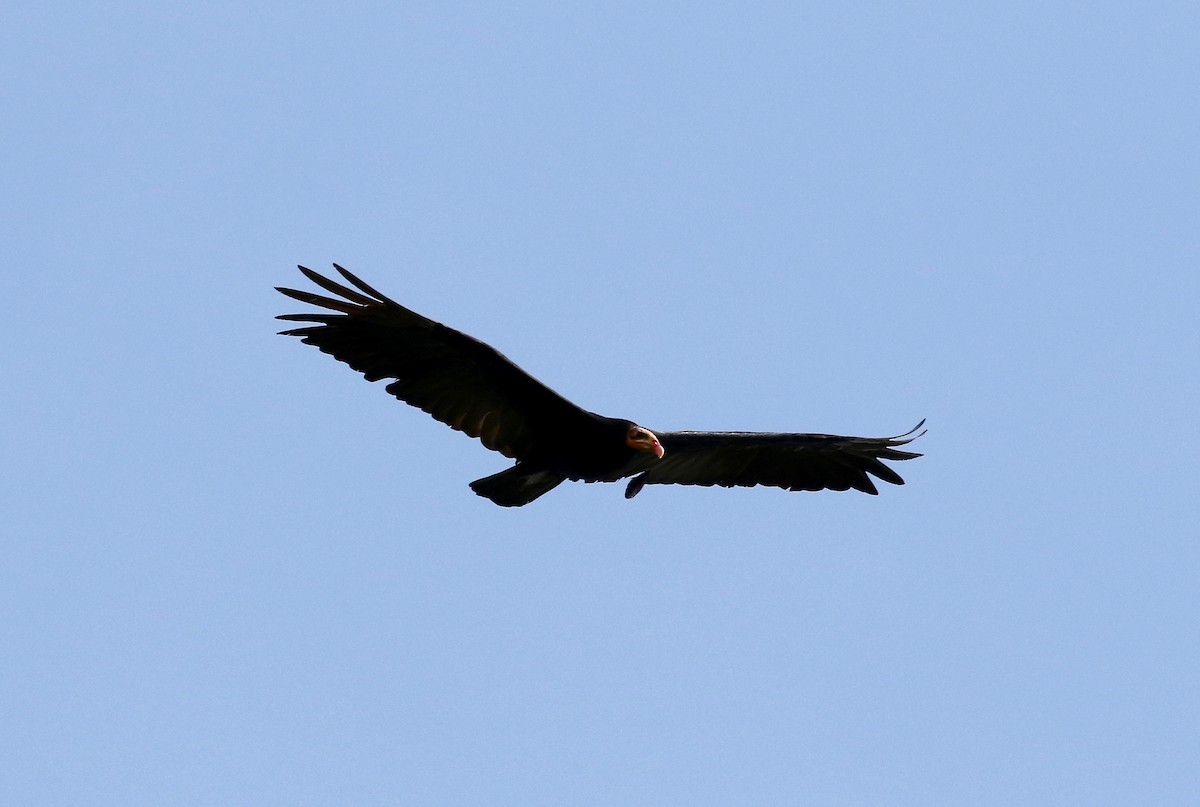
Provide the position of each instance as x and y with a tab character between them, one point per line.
516	486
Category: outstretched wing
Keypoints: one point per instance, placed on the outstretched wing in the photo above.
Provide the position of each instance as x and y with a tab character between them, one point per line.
790	461
464	383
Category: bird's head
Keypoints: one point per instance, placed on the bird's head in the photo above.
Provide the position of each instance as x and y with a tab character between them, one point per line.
640	439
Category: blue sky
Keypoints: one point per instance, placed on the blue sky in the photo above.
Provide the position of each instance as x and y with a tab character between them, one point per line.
235	573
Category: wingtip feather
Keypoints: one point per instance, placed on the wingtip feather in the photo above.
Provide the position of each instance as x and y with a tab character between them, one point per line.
360	284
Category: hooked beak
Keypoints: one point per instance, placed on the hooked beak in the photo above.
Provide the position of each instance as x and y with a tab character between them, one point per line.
645	440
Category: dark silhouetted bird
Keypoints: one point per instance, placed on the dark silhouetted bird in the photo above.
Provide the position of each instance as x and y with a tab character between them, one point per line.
471	387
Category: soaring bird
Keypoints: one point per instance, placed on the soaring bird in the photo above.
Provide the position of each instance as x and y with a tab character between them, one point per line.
472	387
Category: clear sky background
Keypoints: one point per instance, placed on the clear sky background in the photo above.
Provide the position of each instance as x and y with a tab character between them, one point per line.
235	573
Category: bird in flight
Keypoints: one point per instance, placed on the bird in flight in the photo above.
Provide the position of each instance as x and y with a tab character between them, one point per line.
472	387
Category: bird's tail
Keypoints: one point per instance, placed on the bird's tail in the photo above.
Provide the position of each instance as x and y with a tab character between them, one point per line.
516	486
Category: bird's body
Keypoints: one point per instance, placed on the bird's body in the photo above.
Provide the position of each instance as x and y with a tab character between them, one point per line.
473	388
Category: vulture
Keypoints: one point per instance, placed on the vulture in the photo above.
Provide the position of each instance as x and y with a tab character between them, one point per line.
472	387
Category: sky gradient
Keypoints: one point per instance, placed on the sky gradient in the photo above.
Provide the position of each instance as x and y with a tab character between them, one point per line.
235	573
